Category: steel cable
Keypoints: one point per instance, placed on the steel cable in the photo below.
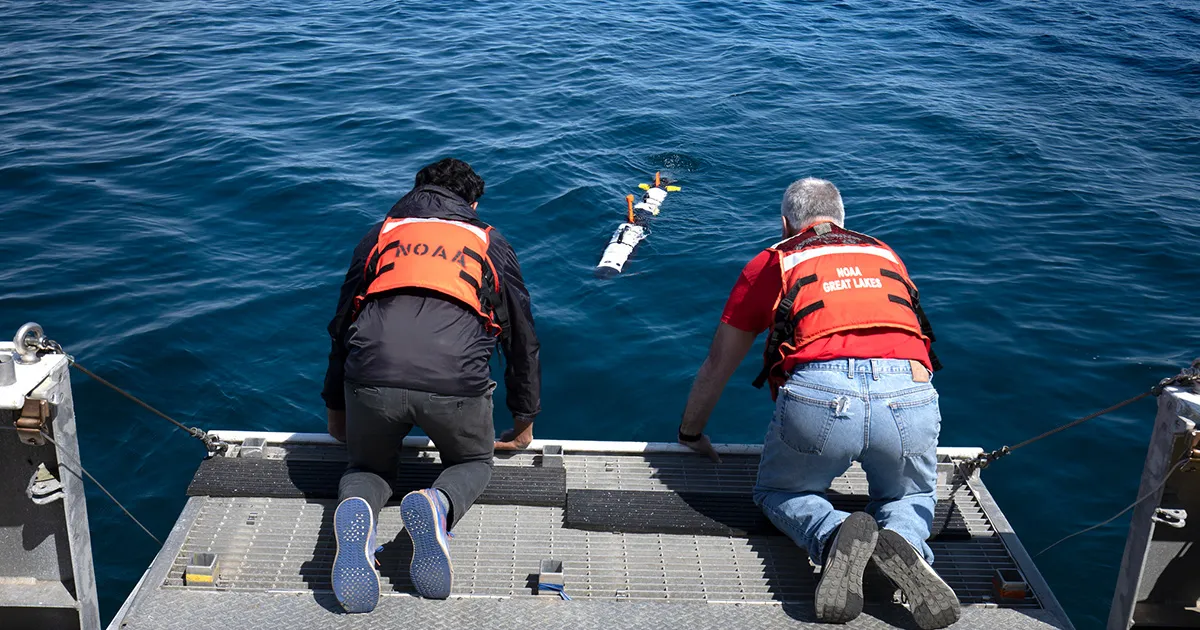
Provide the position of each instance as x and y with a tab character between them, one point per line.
192	431
1166	476
98	484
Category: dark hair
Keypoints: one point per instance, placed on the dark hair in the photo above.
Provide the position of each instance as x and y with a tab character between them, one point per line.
455	176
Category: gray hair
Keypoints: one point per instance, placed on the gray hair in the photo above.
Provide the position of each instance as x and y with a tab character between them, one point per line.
809	199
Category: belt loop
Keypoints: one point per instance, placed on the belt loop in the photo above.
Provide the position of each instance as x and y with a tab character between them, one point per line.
875	369
849	368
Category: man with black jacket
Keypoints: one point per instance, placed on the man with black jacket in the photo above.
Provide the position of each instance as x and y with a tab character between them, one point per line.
429	292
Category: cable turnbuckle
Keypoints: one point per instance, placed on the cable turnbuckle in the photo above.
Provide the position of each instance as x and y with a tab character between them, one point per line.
214	444
983	460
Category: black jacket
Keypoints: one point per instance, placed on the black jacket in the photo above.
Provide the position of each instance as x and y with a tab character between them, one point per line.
418	339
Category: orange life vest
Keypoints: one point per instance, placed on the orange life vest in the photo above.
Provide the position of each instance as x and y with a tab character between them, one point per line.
836	280
449	257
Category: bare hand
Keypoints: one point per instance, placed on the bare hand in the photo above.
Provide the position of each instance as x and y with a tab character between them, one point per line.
704	447
516	438
337	423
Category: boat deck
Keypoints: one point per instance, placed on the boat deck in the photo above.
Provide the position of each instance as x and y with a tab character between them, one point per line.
649	537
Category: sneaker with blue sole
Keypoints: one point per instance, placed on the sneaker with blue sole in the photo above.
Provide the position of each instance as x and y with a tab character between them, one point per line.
425	521
355	579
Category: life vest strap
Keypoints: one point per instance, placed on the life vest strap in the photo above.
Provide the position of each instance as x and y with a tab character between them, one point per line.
806	311
761	379
915	305
469	280
785	325
369	272
489	298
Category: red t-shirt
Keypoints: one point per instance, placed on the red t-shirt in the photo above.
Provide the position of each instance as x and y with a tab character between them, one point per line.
751	307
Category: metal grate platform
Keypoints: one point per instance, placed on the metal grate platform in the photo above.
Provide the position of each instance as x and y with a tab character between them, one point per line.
278	552
287	544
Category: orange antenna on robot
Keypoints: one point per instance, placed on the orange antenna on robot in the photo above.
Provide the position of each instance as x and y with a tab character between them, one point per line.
629	204
657	180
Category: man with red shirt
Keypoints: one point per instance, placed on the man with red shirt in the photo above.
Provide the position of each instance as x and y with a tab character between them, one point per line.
848	360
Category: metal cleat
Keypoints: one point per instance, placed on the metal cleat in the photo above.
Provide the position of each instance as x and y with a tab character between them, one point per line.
44	487
1176	518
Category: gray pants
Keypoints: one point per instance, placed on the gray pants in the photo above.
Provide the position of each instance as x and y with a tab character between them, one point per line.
378	418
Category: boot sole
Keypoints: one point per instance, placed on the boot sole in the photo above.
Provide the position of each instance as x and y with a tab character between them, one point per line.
355	582
932	602
430	569
839	594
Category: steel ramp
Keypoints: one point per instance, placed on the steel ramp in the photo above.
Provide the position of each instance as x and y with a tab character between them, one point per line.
275	555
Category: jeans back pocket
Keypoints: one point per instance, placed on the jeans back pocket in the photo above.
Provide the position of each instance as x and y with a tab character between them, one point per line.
804	422
919	422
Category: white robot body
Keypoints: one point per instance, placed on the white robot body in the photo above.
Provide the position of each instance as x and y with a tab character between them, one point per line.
651	201
621	247
629	234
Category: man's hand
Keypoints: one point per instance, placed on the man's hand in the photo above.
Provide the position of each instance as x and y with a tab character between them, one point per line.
517	437
729	347
337	423
704	447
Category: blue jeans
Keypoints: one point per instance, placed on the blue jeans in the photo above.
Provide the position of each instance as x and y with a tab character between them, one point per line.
831	413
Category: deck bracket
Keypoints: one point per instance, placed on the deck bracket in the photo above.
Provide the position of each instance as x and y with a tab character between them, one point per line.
32	420
1170	518
44	487
550	577
202	570
552	456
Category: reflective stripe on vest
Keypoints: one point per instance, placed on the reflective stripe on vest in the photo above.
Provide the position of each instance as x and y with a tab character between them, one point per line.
835	280
791	260
449	257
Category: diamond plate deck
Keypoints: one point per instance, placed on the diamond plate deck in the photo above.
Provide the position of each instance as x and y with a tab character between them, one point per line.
717	514
318	479
275	558
184	611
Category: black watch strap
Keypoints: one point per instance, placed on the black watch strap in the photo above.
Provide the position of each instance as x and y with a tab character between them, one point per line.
683	437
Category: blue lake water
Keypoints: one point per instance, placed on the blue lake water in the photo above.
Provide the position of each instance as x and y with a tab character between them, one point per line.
181	184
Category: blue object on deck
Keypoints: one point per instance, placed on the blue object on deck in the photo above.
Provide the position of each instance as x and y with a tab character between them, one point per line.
355	580
425	522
